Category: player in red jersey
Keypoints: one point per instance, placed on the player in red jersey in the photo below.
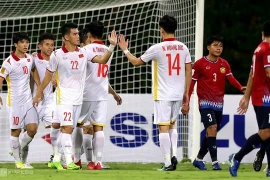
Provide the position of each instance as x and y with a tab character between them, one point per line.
211	73
258	88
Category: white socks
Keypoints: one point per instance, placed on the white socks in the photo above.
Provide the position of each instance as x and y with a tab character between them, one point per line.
54	135
25	140
87	146
173	137
58	150
15	148
66	142
165	146
78	140
98	144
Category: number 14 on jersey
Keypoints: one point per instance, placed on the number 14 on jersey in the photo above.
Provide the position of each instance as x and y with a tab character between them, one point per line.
173	64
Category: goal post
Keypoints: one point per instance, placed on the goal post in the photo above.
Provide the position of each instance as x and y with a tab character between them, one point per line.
130	134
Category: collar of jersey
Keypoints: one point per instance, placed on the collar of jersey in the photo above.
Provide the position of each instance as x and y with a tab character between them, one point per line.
66	51
210	60
169	39
40	57
97	42
16	57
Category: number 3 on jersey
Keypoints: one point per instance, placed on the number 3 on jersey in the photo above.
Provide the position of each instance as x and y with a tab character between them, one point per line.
175	65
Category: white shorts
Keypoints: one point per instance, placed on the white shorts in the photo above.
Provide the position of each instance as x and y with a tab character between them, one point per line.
20	116
46	114
94	112
68	115
166	112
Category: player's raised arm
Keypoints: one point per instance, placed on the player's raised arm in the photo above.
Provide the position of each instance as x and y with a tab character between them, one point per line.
105	58
123	44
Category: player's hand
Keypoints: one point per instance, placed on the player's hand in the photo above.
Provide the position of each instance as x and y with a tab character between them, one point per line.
122	43
37	99
243	106
34	54
243	89
54	83
185	109
118	99
113	38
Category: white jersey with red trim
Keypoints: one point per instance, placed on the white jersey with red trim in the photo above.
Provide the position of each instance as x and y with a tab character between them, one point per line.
96	84
41	65
168	69
70	69
17	72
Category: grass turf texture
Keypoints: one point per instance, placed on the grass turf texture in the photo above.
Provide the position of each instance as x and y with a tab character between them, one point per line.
126	171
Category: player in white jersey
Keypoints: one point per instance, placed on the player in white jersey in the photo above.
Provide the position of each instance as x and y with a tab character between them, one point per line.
16	69
69	64
47	106
171	78
97	81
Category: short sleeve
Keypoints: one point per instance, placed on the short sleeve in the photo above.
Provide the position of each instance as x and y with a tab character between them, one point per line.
53	63
5	69
149	54
266	58
196	71
228	68
90	52
188	58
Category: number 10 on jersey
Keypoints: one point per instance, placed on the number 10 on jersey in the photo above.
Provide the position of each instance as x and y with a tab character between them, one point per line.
173	64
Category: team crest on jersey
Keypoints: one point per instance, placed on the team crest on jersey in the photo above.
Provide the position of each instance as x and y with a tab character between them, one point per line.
81	56
222	69
28	60
207	67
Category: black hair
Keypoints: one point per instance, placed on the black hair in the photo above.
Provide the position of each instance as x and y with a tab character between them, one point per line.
65	29
212	39
46	35
19	36
83	35
266	29
168	23
96	29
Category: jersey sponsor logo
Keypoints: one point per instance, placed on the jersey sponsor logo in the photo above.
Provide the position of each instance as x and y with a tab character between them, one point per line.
222	69
207	67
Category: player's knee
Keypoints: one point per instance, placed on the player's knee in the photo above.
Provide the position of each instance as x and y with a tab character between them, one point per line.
15	132
163	129
67	129
264	134
212	131
91	130
98	128
79	125
56	125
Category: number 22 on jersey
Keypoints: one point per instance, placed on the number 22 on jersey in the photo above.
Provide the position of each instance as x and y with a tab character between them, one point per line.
173	64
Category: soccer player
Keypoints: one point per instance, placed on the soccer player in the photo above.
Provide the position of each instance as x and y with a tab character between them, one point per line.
22	115
69	63
86	37
46	108
171	77
95	101
258	88
211	73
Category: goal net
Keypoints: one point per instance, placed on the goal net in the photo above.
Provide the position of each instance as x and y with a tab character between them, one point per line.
130	134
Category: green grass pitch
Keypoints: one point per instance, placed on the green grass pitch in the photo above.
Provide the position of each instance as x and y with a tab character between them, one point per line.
126	171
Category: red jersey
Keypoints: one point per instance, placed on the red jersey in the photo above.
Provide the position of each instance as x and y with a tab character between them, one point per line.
260	94
211	78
